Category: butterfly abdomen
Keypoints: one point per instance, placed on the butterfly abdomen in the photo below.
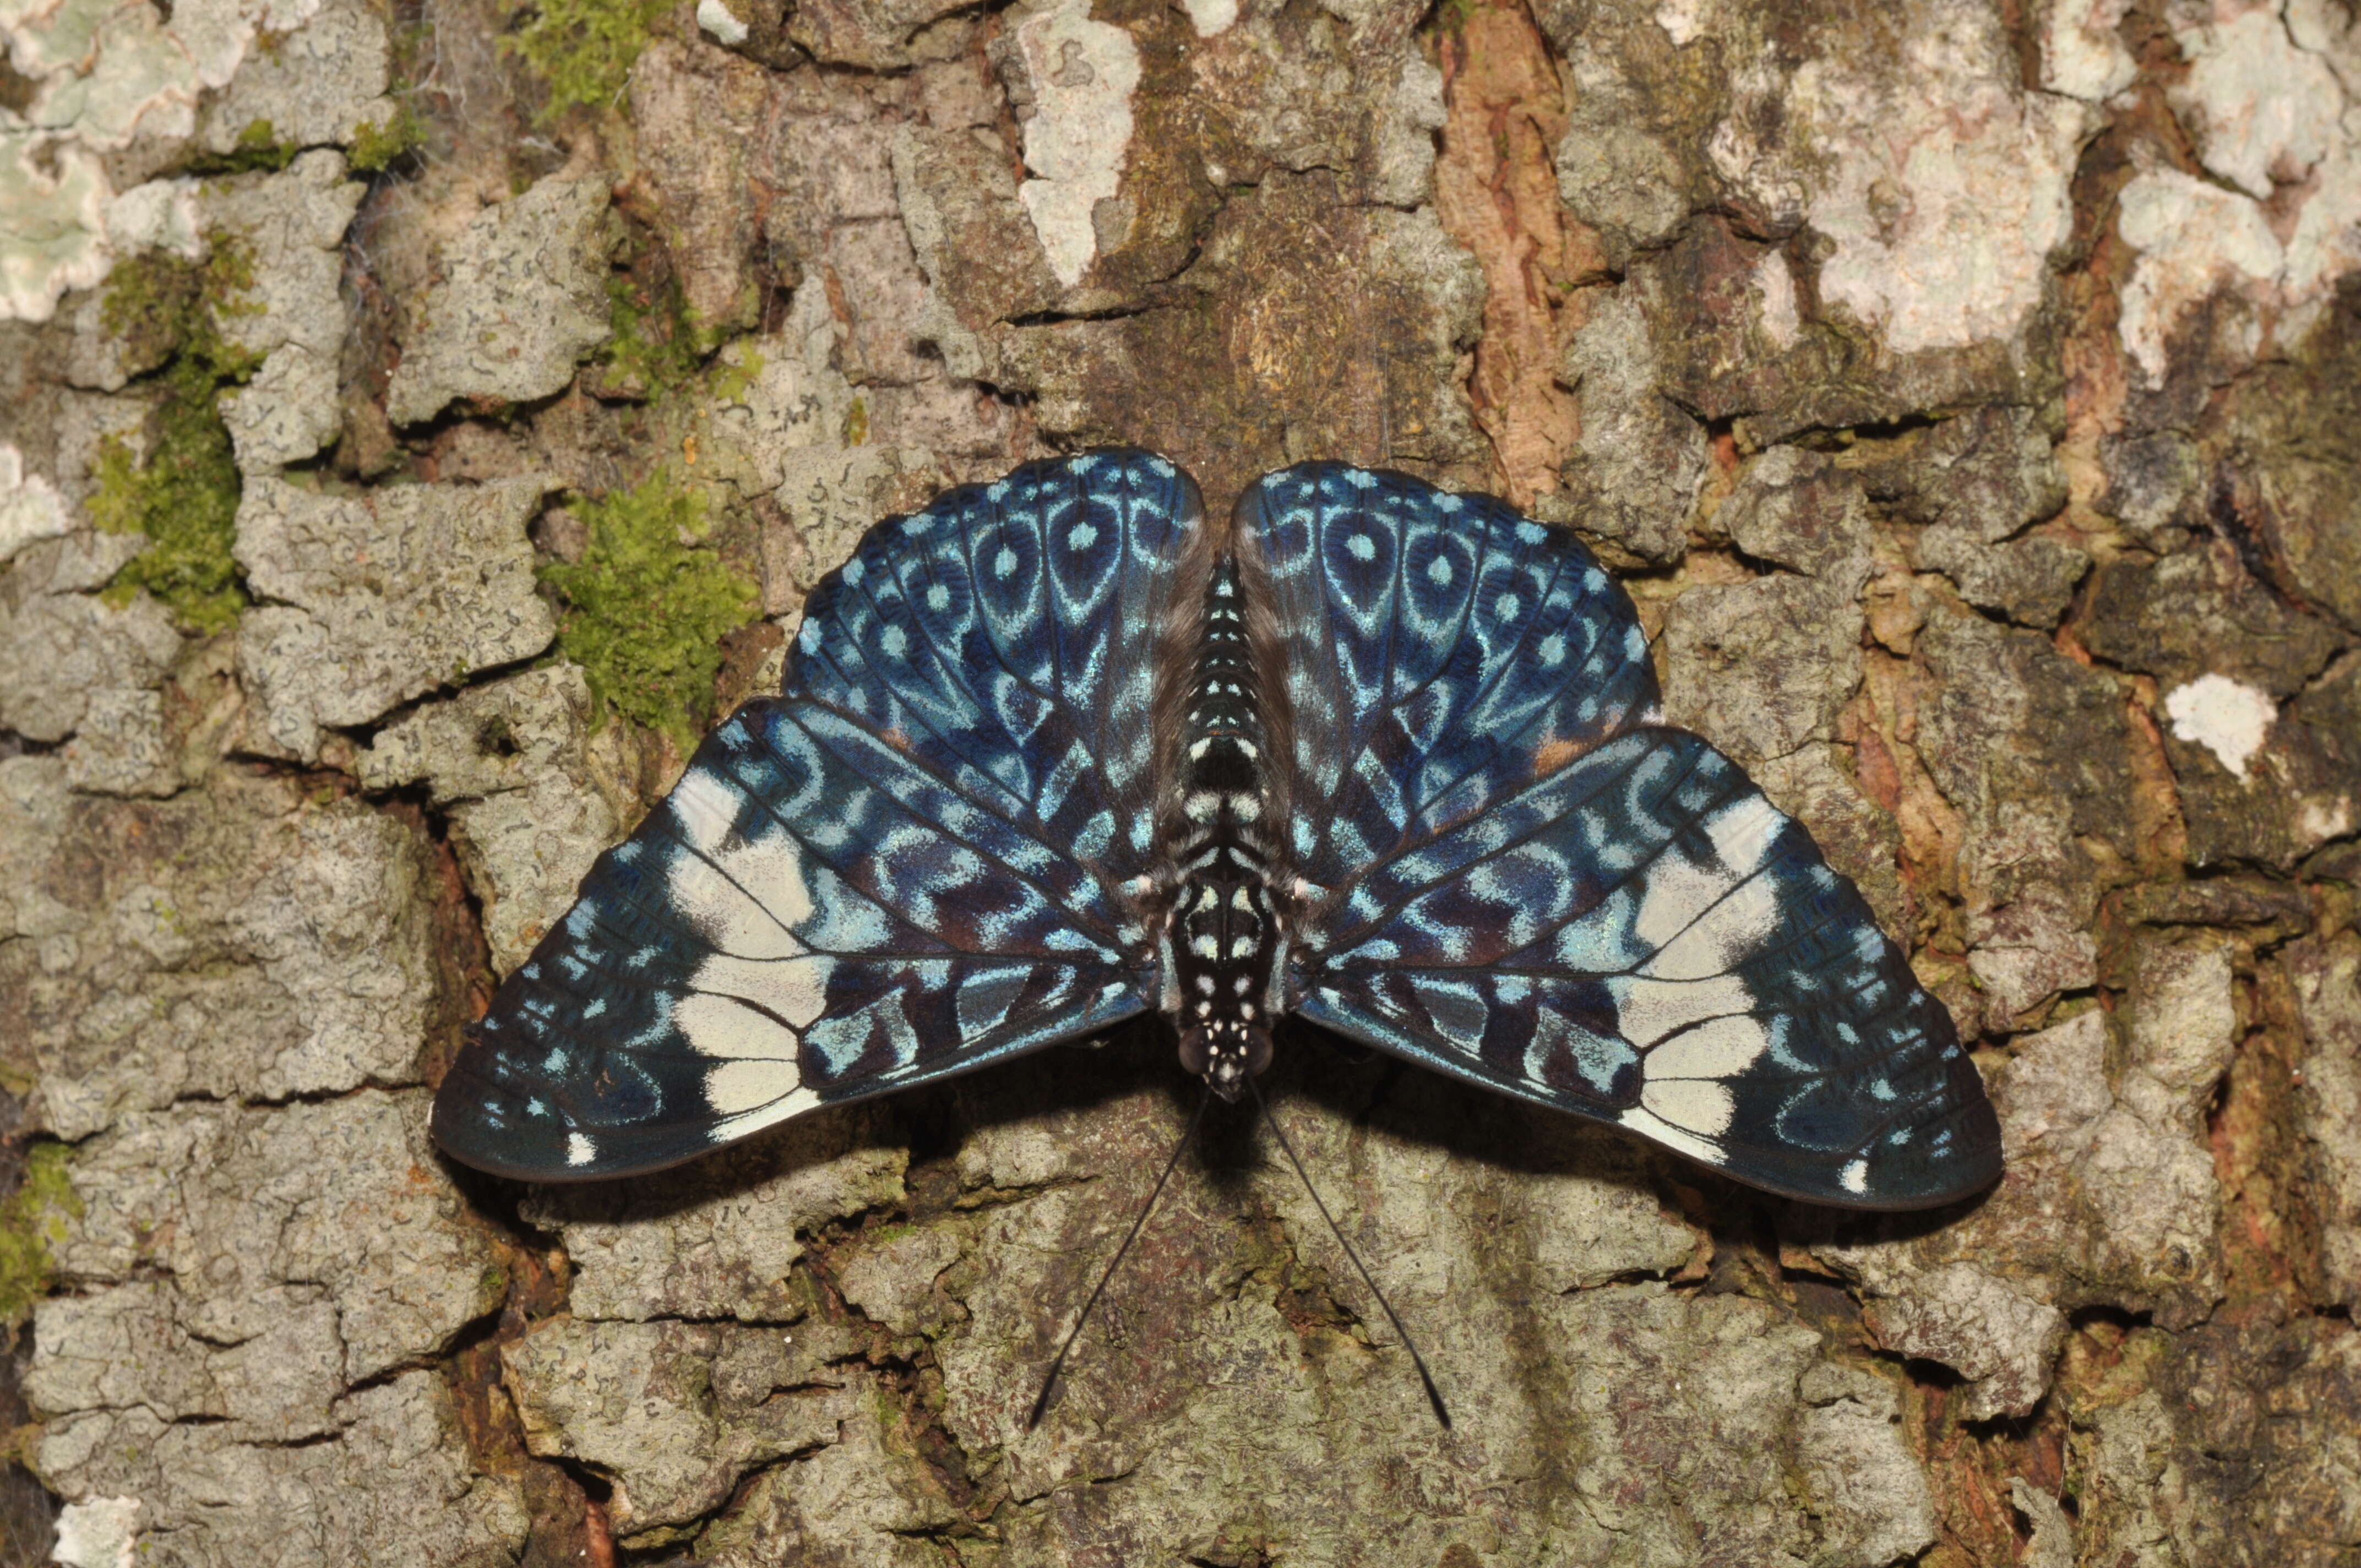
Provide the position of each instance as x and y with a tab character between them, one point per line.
1222	943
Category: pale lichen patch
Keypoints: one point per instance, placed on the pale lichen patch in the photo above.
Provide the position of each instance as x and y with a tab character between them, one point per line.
1774	299
2279	218
2194	238
2229	718
523	300
1213	17
52	223
101	1533
2263	112
101	75
1940	202
718	19
1948	245
160	214
1681	19
1077	77
30	507
2082	52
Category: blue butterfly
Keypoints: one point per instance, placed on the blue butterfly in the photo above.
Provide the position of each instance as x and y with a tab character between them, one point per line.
1056	752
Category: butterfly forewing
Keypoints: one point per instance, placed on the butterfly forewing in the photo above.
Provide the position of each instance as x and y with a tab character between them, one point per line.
1512	874
906	865
1434	646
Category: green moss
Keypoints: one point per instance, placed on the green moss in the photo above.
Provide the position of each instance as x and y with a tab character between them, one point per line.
657	347
376	147
257	148
33	1219
646	606
652	349
184	498
162	306
733	373
583	49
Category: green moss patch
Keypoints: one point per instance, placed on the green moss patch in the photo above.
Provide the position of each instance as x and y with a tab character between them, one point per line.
32	1220
257	148
162	306
732	374
378	148
646	606
583	49
652	351
184	498
657	347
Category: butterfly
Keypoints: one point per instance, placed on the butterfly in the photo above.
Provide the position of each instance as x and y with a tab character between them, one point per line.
1057	751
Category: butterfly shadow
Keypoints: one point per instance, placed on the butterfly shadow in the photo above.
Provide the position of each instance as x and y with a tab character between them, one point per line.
817	1160
836	1163
1071	1088
1467	1123
1749	1230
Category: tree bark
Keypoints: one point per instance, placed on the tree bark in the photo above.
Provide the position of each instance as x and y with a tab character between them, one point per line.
1967	393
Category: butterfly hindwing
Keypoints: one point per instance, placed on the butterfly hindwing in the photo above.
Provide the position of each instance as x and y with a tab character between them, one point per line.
1564	900
904	866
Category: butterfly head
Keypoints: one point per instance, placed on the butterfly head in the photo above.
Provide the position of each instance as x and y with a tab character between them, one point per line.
1225	1051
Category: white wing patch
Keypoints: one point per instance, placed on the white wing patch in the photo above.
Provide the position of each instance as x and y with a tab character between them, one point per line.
1722	1047
1742	833
1701	918
738	1086
1679	892
1648	1124
711	887
1700	1104
793	1104
726	1028
794	988
753	997
1723	934
1646	1010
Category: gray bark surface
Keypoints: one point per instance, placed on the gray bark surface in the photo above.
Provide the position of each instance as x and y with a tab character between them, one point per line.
1966	391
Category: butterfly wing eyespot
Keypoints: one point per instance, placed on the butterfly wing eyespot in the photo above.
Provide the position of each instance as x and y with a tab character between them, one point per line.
904	866
1523	880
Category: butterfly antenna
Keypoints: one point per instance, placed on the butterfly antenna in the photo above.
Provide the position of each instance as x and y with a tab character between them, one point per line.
1433	1394
1049	1384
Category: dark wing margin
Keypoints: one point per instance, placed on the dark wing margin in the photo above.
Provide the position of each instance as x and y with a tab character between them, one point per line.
909	864
1565	901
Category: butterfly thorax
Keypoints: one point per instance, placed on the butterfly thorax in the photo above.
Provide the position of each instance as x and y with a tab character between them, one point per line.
1222	946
